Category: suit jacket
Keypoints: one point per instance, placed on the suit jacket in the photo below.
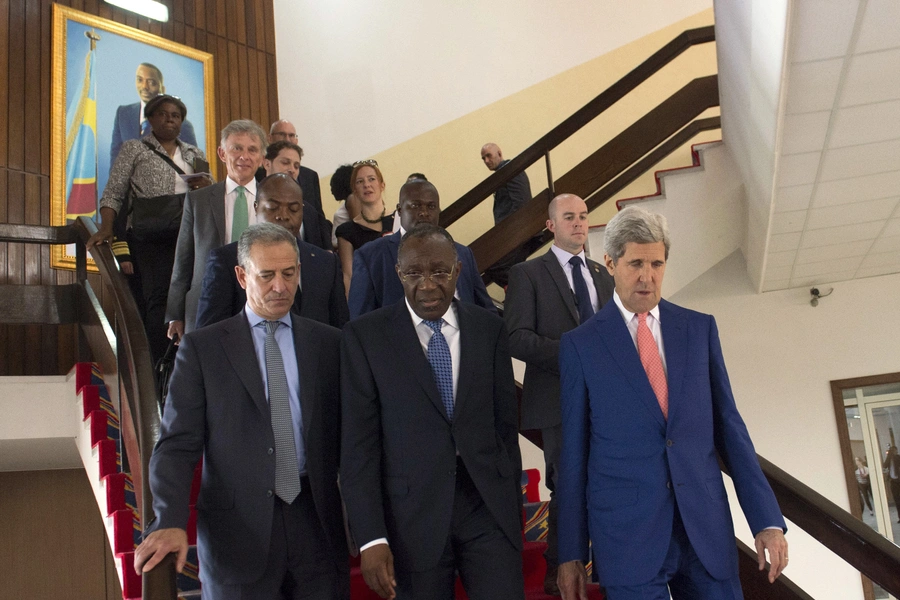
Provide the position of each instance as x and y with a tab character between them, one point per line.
321	295
309	183
217	409
127	127
202	230
398	449
623	465
539	308
375	282
316	228
511	196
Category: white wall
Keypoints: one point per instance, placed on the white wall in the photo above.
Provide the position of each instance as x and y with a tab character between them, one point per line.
781	355
359	77
750	38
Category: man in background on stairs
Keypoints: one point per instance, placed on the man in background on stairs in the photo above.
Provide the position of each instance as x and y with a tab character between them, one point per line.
548	296
256	396
284	131
430	464
508	198
212	217
646	410
321	295
375	283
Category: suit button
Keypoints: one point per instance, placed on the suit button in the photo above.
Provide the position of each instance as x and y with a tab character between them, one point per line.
669	484
669	443
451	473
270	451
269	493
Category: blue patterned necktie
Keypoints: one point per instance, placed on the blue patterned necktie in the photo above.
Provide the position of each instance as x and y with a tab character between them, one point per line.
441	364
287	474
582	296
145	128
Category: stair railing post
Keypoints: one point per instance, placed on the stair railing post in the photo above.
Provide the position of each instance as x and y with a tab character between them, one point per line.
550	185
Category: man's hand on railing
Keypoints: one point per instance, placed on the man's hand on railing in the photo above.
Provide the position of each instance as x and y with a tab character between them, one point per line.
773	541
572	580
176	331
159	545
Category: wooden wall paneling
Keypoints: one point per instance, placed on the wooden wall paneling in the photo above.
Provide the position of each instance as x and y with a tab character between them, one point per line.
250	22
231	25
177	11
221	19
253	88
32	84
259	19
46	56
269	23
16	131
272	86
91	6
4	81
247	88
200	14
32	213
219	46
190	38
262	85
239	17
236	82
178	32
106	11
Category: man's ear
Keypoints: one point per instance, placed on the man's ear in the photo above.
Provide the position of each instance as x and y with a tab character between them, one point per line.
610	265
241	276
220	152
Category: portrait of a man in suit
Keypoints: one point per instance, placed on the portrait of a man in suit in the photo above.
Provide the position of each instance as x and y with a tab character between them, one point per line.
256	396
130	123
647	412
548	296
430	460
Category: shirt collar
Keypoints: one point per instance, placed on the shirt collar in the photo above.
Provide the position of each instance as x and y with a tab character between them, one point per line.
254	319
564	256
627	314
450	317
231	185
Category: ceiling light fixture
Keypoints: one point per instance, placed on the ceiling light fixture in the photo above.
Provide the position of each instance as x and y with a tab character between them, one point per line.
147	8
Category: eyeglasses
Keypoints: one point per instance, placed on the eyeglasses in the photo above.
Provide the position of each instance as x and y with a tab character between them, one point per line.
290	136
416	279
366	163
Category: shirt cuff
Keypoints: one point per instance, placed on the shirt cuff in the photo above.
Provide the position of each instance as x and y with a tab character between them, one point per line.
377	542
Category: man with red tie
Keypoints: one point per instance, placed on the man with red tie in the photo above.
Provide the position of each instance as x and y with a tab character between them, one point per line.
647	409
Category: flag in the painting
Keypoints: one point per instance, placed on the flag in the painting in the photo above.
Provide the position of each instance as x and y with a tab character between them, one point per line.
81	146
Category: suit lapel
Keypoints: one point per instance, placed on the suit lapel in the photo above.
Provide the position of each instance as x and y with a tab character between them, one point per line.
675	343
237	343
307	366
614	333
562	284
603	294
217	205
410	354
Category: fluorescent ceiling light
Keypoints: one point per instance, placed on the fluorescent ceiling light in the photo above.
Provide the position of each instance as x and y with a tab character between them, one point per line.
148	8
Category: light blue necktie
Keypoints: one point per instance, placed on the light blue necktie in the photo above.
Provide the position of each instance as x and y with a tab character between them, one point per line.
441	364
287	474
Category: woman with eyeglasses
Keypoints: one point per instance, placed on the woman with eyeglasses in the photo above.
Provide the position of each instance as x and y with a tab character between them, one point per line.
142	200
371	223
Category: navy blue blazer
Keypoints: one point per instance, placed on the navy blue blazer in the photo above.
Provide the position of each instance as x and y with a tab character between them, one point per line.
623	466
309	183
127	127
321	297
316	228
375	282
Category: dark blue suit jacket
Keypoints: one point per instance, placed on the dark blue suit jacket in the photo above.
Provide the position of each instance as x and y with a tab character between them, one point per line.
623	465
321	297
126	127
375	282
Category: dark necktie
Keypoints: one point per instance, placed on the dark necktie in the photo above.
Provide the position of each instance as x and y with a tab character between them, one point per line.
441	364
287	474
582	296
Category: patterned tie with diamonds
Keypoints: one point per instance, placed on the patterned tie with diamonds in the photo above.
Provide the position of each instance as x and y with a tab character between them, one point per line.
649	353
441	364
287	474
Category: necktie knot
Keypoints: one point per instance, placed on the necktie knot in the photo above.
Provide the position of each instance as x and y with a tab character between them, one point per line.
272	326
434	325
576	262
579	286
642	318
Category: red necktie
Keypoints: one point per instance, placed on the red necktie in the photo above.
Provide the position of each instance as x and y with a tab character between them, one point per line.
649	353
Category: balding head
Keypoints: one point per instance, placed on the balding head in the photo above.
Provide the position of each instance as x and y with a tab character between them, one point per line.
491	155
568	222
283	130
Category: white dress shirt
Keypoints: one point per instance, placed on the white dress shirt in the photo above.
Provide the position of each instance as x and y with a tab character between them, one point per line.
230	198
181	187
564	257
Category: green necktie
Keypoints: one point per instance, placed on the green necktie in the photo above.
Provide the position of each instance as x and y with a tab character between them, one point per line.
239	217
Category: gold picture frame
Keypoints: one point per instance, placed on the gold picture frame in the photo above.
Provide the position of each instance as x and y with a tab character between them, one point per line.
95	105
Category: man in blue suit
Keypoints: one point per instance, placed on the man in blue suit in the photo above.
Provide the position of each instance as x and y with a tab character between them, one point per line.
130	123
646	410
375	284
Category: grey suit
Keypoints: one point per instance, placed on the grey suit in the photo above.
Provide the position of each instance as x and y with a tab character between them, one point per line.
539	308
202	230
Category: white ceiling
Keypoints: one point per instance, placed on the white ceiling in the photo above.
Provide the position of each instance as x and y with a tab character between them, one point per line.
837	185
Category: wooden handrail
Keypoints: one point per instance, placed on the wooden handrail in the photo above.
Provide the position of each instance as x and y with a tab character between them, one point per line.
601	167
579	119
37	234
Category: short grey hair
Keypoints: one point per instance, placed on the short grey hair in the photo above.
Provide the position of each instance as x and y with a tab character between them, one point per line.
244	126
267	234
636	225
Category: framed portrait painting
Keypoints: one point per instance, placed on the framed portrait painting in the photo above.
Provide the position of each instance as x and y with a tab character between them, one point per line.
103	73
